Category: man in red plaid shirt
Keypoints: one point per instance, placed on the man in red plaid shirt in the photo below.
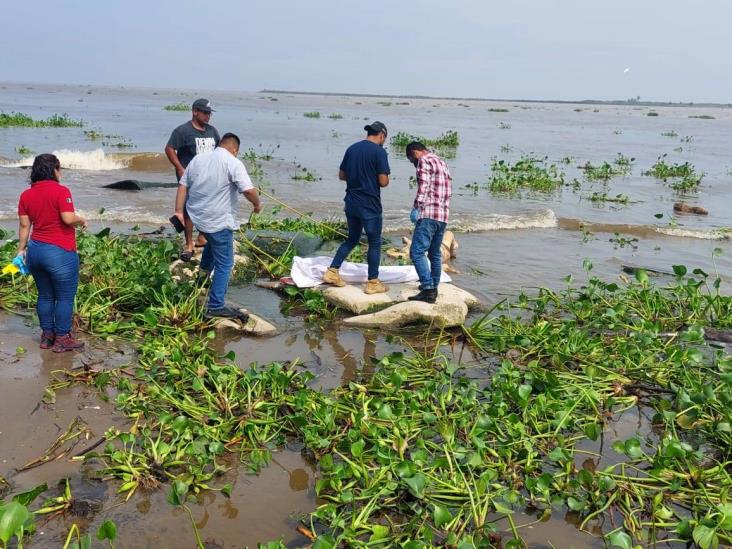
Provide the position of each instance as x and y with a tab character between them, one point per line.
430	213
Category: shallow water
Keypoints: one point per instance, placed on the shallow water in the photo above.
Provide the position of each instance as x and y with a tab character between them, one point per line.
516	244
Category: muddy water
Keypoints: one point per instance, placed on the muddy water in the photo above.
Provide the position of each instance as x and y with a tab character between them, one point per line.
519	244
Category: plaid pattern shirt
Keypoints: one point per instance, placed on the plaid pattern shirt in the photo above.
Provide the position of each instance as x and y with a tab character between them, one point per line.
434	188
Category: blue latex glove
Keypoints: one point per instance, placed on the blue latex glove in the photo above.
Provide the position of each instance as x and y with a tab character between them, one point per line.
413	215
19	262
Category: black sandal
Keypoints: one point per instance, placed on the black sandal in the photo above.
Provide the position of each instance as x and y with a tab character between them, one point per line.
186	256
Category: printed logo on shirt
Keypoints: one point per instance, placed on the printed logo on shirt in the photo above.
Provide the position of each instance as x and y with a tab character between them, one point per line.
68	200
205	144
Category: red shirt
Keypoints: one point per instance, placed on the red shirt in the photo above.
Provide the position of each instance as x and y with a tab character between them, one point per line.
43	203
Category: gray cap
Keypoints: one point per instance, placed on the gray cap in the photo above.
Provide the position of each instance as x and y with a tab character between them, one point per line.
203	105
375	128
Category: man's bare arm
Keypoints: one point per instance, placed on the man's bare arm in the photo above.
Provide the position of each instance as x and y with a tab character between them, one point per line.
253	196
383	180
341	175
173	158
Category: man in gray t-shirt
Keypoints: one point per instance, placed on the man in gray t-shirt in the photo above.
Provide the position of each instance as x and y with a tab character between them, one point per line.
209	190
187	140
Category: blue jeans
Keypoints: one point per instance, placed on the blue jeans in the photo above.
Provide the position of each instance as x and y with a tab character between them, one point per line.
218	256
427	238
371	225
56	274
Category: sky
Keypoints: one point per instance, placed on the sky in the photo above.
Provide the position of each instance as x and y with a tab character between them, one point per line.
675	50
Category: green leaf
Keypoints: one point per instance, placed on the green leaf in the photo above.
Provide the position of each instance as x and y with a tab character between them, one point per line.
524	391
641	276
405	469
500	508
26	498
575	504
441	516
385	412
417	484
633	448
592	431
620	539
357	448
108	530
178	492
379	532
679	270
725	509
705	537
13	516
226	489
324	542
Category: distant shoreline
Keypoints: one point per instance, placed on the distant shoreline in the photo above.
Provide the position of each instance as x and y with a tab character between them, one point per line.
619	102
633	102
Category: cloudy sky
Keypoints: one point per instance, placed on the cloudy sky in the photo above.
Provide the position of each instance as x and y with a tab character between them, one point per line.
675	50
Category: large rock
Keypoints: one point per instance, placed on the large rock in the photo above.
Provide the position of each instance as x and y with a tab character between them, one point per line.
450	309
256	325
352	298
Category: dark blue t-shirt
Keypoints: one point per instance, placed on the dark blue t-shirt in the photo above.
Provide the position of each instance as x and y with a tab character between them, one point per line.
363	162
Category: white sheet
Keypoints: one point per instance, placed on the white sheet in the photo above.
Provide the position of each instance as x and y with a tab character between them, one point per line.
307	272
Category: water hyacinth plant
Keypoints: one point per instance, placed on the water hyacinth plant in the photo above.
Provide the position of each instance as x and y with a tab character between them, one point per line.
527	173
17	119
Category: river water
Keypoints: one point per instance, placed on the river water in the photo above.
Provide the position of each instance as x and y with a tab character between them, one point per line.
506	244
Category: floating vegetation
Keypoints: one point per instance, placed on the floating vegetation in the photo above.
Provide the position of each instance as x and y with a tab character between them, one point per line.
304	174
621	166
527	173
671	133
652	113
109	140
24	151
311	114
622	241
506	148
335	116
178	107
497	110
617	132
604	197
416	452
683	177
703	116
20	120
504	126
687	139
448	140
384	103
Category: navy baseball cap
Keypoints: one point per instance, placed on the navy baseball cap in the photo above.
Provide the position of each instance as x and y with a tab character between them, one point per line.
203	105
375	128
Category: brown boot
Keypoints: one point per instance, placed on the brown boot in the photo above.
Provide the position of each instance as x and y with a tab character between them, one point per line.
375	286
47	339
66	343
332	276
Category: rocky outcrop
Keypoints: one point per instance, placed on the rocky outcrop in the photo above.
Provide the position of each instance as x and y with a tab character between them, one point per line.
683	207
450	309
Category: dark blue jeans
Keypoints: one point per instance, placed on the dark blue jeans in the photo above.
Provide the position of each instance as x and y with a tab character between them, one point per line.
218	256
427	238
56	274
357	224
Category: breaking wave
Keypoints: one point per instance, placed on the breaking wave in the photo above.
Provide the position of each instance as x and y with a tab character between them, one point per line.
98	160
470	223
643	230
111	215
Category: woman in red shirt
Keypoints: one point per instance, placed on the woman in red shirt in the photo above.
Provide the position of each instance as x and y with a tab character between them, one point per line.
50	253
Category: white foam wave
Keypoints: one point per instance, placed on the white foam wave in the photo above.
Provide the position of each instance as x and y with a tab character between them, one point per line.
541	219
96	160
112	215
713	234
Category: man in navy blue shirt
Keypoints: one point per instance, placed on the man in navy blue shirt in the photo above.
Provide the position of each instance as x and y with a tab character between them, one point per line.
365	169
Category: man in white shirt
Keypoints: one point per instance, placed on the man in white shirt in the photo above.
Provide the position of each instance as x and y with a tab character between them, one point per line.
211	183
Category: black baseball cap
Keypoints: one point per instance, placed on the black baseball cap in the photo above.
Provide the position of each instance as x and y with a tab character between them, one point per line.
375	128
203	105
